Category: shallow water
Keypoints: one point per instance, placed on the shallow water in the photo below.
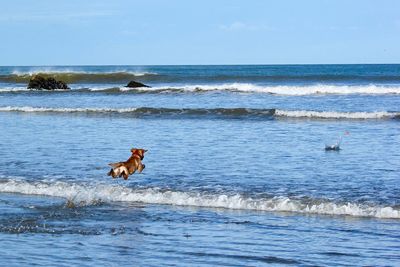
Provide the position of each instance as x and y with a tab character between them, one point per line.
236	172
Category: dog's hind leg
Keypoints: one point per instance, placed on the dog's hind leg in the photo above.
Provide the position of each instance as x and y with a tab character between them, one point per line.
111	173
124	172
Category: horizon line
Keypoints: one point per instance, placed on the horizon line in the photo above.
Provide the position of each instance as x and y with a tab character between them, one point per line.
240	64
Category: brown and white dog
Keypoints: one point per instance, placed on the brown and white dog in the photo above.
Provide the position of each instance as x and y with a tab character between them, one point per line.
126	168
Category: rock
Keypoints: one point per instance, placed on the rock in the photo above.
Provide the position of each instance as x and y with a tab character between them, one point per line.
133	84
332	147
70	204
40	82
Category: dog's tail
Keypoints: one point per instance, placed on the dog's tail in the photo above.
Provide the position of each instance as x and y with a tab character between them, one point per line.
115	165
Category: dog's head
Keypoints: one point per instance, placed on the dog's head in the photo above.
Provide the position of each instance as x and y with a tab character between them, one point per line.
139	152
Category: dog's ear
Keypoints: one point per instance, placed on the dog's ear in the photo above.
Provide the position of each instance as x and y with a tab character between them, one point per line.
145	150
133	150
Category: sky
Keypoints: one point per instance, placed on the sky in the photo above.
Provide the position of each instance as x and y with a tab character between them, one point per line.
175	32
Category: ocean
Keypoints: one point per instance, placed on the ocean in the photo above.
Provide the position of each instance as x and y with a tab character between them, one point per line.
236	170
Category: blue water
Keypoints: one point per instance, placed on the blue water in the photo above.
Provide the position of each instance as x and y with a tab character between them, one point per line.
236	172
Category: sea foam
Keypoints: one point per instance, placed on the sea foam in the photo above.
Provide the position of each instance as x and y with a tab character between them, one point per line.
335	115
88	194
294	90
118	87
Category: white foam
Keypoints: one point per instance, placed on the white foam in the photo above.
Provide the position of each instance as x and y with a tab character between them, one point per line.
287	89
335	115
108	193
73	72
79	87
65	110
13	89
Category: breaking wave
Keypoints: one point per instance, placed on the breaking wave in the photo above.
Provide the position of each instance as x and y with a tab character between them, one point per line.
82	194
70	76
286	89
336	115
28	109
211	112
289	90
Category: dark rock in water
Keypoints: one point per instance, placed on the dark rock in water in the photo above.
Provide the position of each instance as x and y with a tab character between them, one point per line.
133	84
332	147
40	82
70	204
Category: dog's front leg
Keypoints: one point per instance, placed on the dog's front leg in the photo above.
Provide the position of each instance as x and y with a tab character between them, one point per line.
141	167
132	170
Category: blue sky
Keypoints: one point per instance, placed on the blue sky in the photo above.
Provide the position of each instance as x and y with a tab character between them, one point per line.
71	32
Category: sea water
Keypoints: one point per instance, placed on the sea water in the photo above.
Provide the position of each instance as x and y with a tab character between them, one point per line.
236	172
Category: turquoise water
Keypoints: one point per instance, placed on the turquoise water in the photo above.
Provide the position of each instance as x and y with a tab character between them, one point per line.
236	172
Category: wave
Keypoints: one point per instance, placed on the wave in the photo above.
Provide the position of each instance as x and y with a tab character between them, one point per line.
289	90
212	112
28	109
83	194
70	76
301	77
337	115
280	89
149	111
